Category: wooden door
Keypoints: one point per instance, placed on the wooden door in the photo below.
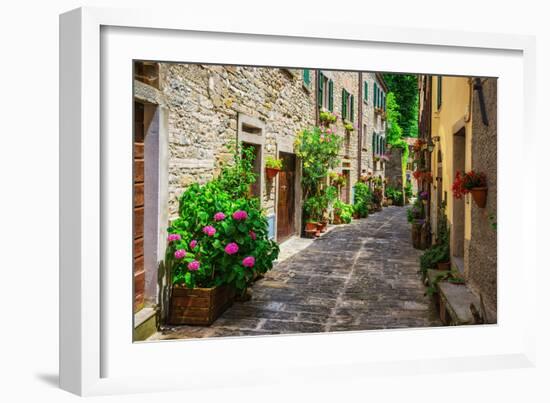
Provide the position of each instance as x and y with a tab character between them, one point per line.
285	198
139	184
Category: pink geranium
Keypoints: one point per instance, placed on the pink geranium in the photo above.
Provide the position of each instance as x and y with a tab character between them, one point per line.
252	234
194	265
209	230
231	248
249	261
240	215
193	244
180	254
174	237
219	216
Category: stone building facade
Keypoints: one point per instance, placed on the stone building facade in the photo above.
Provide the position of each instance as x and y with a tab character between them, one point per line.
373	142
481	250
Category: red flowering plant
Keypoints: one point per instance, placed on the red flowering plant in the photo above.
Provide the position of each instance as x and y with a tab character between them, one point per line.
417	146
221	235
464	183
423	175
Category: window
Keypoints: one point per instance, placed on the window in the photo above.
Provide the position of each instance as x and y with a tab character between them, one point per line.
439	91
364	144
375	95
325	92
255	189
147	72
306	77
347	105
374	143
366	92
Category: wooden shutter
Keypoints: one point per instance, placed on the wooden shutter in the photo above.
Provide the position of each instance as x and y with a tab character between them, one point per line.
320	89
366	91
344	103
351	109
306	77
375	95
331	96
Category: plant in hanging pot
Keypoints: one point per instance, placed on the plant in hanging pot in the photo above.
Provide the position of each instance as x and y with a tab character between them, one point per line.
348	126
327	118
471	182
272	167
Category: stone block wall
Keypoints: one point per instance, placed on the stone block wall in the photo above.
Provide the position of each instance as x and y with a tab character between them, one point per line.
348	153
204	103
481	252
394	169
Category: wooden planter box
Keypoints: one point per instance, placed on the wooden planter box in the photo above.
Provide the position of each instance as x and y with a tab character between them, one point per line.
199	306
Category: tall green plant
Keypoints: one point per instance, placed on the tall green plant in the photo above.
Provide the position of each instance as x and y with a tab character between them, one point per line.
362	199
318	149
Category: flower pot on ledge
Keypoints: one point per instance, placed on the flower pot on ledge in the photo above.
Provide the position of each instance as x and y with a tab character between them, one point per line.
480	196
271	173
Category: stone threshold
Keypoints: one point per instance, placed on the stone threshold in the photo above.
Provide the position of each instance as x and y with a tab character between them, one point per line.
145	323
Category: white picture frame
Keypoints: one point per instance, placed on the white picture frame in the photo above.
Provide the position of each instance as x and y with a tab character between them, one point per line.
96	354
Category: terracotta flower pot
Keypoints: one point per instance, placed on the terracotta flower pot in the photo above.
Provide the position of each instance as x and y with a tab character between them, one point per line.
480	196
311	226
271	172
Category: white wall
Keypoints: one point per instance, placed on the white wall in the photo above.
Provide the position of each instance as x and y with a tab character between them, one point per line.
29	202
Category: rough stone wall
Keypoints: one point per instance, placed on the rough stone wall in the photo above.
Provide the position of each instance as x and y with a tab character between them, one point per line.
367	157
204	102
481	253
394	169
350	82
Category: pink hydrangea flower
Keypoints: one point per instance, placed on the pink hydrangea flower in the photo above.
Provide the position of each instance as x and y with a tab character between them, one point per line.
194	265
231	248
193	244
180	253
252	234
249	261
240	215
209	230
219	216
174	237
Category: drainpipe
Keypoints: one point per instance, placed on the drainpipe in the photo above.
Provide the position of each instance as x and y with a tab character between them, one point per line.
359	125
479	88
316	88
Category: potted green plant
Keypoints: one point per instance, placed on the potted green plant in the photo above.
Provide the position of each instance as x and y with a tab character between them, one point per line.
348	126
217	246
326	117
272	167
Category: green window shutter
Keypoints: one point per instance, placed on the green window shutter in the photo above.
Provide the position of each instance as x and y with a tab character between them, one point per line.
366	91
352	116
344	103
373	142
374	95
331	96
319	89
306	77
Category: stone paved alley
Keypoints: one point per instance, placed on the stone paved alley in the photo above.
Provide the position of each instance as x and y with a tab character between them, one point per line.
357	277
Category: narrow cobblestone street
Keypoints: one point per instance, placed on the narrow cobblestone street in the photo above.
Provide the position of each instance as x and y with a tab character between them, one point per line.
357	277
